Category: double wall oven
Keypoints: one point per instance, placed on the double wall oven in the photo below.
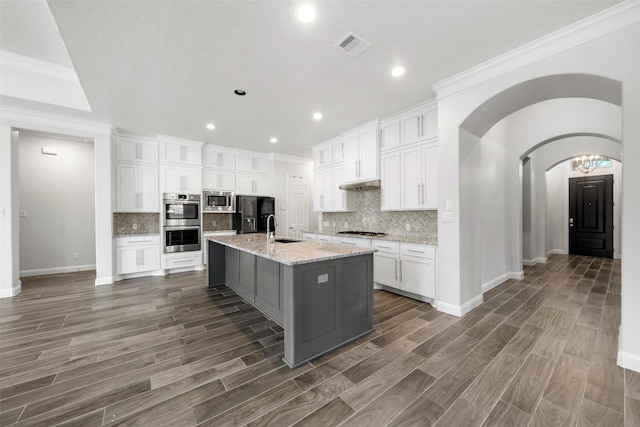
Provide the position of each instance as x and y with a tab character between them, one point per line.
181	222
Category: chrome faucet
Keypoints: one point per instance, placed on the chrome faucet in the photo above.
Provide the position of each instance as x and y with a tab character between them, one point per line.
271	237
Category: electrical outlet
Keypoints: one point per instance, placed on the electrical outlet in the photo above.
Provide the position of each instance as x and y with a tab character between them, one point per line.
325	223
134	226
346	224
407	227
75	255
323	278
215	222
334	224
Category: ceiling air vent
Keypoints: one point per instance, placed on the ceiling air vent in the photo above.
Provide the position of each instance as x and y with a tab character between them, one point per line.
353	44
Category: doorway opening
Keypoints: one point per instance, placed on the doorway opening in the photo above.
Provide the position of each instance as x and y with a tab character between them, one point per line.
297	213
56	175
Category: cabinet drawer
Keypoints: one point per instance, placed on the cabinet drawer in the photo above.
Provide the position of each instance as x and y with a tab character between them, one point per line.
352	241
386	246
178	261
138	241
420	251
309	236
324	238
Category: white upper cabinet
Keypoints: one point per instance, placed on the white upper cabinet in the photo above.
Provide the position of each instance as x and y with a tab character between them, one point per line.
140	150
338	150
323	155
253	162
218	158
173	150
177	179
136	188
390	181
419	177
361	153
420	124
253	184
221	180
389	134
327	197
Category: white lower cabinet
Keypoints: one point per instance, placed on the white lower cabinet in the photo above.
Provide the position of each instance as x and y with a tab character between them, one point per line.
182	259
408	267
309	236
137	254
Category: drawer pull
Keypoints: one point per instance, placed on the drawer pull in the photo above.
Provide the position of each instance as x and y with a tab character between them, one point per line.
418	252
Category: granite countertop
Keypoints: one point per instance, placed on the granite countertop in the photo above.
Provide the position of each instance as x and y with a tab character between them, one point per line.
422	240
214	232
137	235
303	252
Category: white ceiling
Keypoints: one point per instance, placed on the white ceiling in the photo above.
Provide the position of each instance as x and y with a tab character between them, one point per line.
170	67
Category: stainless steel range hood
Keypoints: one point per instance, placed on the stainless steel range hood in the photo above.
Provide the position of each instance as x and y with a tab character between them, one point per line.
360	186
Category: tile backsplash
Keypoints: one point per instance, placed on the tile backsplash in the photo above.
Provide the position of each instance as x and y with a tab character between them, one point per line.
369	217
216	221
146	223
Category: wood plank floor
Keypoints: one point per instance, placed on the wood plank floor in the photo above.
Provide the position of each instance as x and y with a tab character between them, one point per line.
166	351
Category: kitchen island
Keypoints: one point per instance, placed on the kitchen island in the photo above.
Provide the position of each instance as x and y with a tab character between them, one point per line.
320	293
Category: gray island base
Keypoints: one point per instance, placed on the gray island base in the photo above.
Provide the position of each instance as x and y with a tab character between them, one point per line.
320	293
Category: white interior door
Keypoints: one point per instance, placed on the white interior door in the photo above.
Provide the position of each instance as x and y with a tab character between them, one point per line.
297	213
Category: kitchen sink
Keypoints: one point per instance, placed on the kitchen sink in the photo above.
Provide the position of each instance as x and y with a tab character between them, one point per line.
282	240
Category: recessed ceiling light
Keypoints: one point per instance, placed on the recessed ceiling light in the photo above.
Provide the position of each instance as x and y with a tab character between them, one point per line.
397	71
317	116
273	140
306	13
240	92
211	126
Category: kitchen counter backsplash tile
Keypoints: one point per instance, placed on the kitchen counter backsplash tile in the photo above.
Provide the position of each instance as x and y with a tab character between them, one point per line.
216	221
369	217
146	223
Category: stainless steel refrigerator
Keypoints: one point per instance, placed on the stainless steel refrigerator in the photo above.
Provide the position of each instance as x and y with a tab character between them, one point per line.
252	213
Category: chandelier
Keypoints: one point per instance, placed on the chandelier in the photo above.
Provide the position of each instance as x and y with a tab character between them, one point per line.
586	164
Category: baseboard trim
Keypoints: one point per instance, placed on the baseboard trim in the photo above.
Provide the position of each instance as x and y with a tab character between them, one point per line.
57	270
101	281
460	310
9	293
557	252
535	261
487	286
629	361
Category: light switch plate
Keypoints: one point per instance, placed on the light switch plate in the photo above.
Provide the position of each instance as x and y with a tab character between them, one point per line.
449	205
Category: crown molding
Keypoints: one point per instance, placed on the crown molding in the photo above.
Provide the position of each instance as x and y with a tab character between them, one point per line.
291	159
602	23
37	66
36	120
32	79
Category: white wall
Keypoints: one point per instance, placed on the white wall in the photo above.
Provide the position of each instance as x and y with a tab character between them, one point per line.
57	194
608	54
11	122
283	166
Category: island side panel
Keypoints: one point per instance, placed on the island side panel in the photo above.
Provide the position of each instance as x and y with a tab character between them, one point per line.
269	289
326	304
232	268
216	264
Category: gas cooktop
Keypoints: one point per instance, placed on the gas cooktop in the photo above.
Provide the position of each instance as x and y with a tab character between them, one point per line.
363	233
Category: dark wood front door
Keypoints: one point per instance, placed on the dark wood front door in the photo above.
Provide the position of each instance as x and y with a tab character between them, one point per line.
591	216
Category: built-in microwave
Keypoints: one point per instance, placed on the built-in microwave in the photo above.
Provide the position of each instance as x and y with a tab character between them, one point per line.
219	201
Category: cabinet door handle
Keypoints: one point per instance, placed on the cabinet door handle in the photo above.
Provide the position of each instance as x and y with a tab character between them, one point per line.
141	257
381	138
344	196
321	201
423	202
395	268
418	194
400	270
